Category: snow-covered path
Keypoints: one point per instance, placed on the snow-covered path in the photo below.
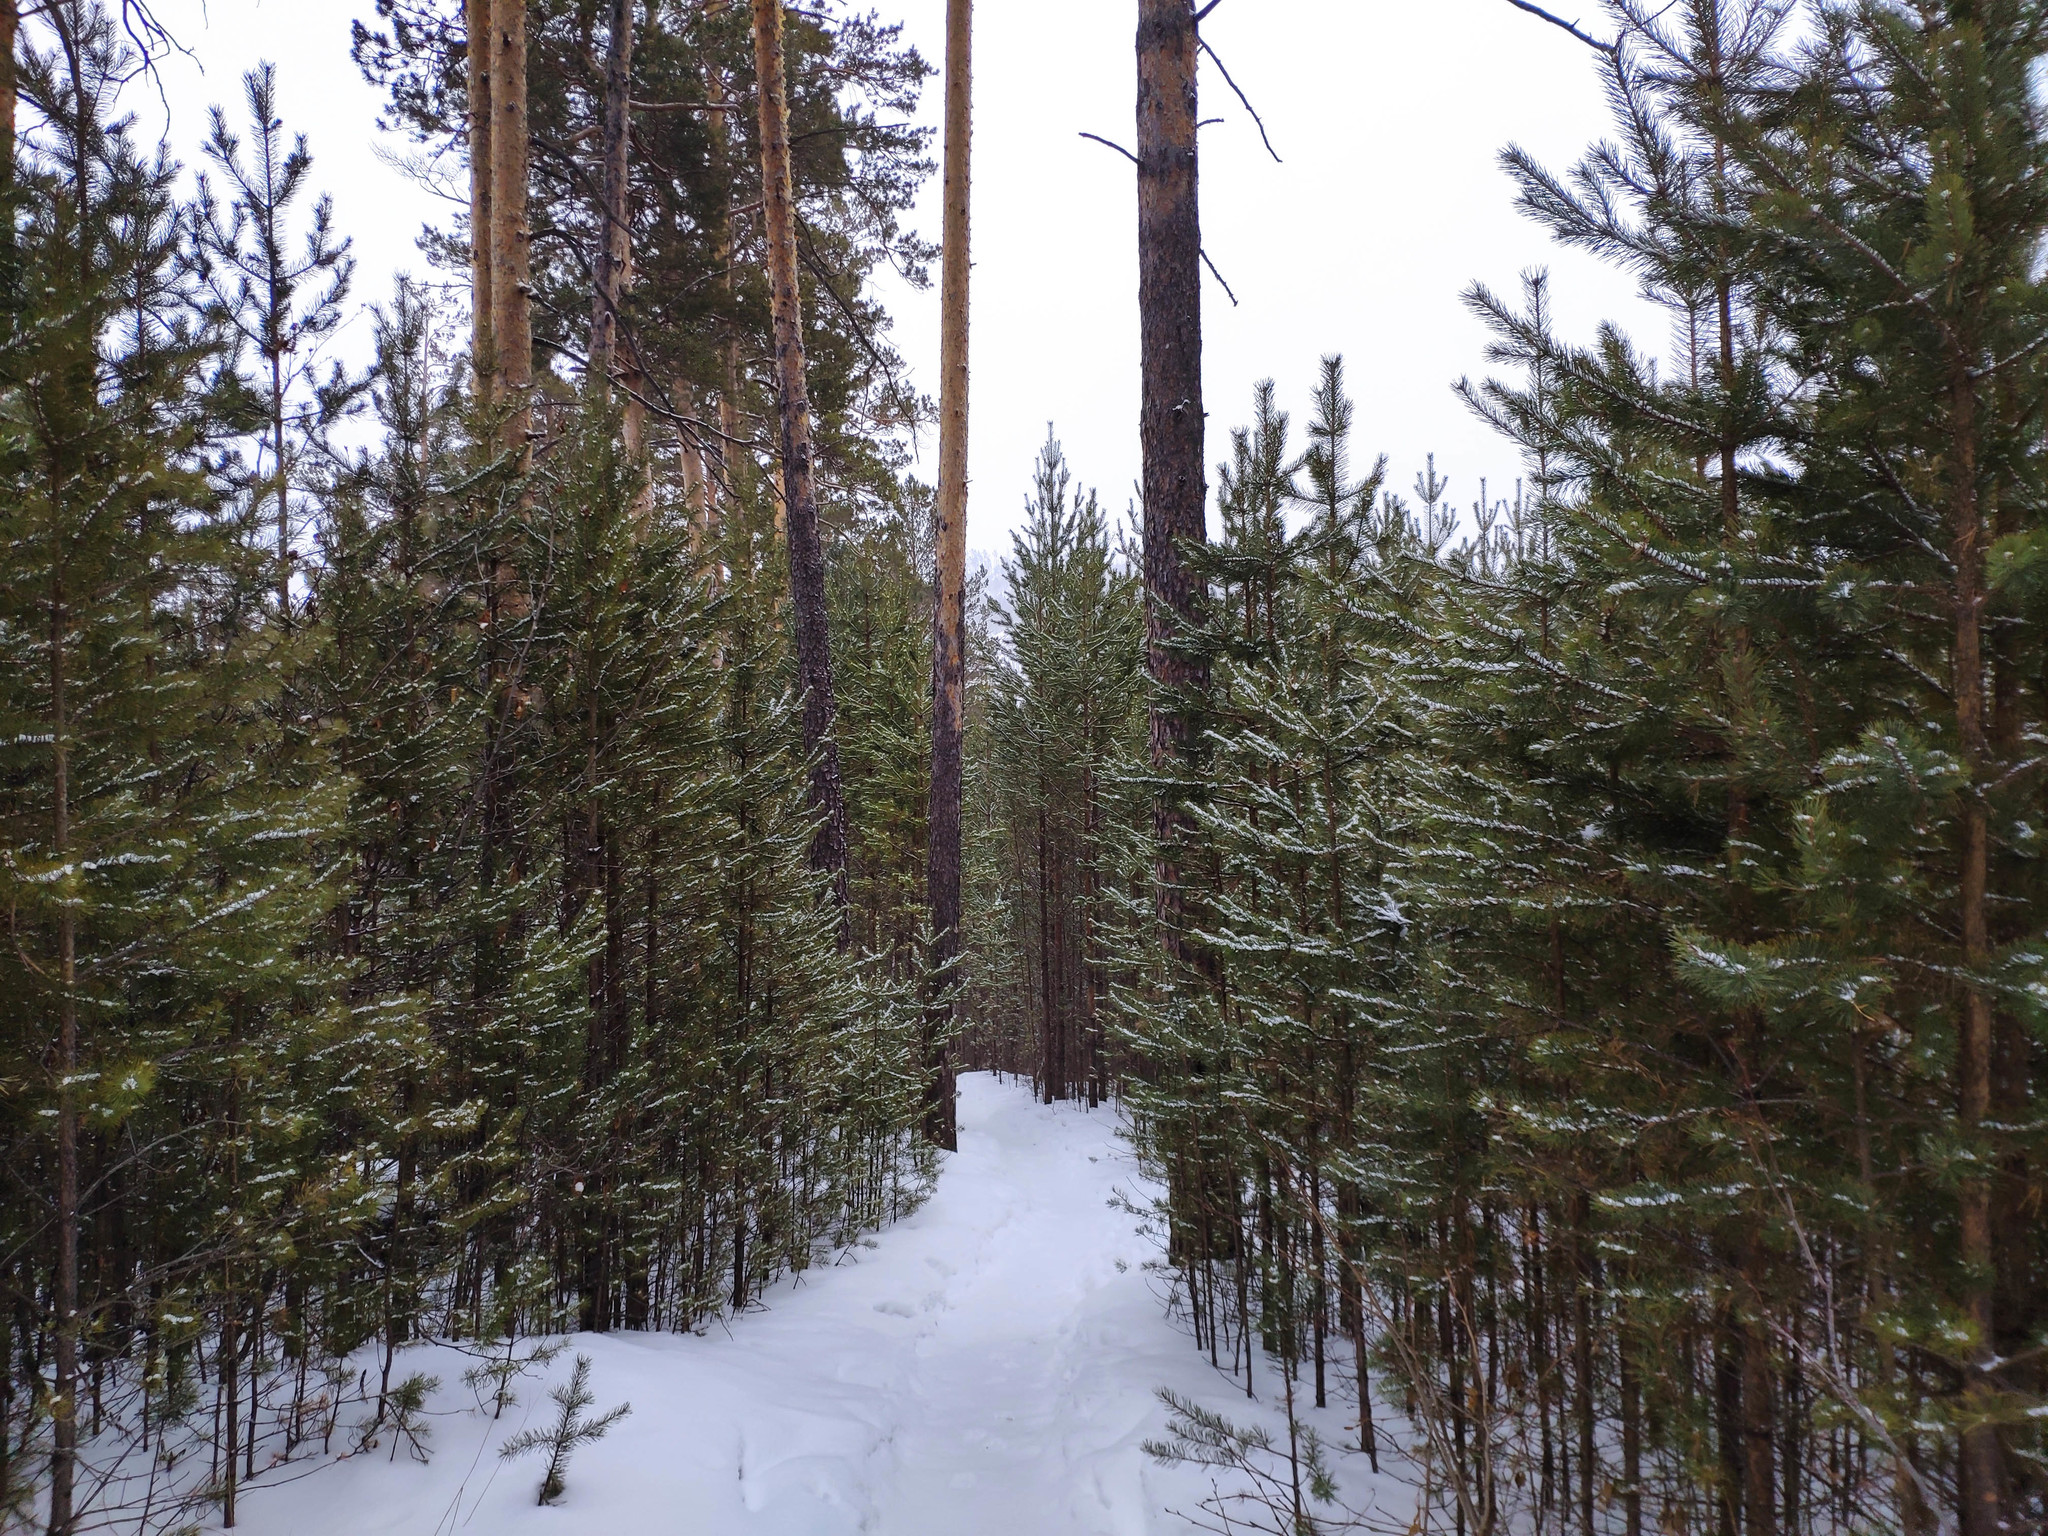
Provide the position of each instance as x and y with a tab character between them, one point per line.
987	1367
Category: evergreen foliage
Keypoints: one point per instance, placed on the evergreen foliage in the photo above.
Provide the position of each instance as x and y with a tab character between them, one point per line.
414	936
879	588
858	161
1056	715
1290	1486
569	1433
1603	1004
1612	1005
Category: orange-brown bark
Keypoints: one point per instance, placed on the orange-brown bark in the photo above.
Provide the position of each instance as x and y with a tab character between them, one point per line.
511	262
1171	422
799	485
483	349
949	617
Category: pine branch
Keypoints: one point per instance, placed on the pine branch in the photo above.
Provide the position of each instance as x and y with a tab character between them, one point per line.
1217	59
1219	278
1111	144
1572	27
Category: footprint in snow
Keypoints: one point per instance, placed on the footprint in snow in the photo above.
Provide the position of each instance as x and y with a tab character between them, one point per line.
895	1309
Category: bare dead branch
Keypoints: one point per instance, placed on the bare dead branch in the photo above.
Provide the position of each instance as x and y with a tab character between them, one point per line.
149	36
1109	144
1572	27
1217	59
1219	278
686	106
826	280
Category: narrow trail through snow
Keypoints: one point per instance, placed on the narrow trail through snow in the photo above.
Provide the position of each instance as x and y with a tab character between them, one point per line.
986	1367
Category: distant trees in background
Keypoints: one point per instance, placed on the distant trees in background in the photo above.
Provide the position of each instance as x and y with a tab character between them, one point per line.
1059	711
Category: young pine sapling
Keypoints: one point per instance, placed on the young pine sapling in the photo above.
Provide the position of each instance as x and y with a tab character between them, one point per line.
1286	1489
408	1405
569	1431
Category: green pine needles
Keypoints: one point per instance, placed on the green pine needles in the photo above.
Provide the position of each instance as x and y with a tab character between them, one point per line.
1053	718
1281	1490
1600	1036
570	1432
1613	1036
413	935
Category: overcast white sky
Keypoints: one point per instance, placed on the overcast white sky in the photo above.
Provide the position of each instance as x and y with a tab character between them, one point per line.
1389	115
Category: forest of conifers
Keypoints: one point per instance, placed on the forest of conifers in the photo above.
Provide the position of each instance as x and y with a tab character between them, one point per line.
473	867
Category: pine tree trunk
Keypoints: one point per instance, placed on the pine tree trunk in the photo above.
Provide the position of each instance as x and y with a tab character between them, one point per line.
1756	1458
1171	424
282	488
719	86
1091	906
1759	1438
10	97
1539	1356
1319	1260
482	227
1059	1017
511	235
618	1026
230	1323
7	1404
1351	1308
2012	1045
1046	1012
255	1357
697	492
799	491
1983	1469
511	353
613	257
1728	1420
949	616
64	1392
10	87
1631	1433
1582	1357
230	1370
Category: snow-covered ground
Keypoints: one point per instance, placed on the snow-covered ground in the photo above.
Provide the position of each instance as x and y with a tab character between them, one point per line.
987	1367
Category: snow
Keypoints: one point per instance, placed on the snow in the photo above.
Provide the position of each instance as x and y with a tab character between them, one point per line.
989	1365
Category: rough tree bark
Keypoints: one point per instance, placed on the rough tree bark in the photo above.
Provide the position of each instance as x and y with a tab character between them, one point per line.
10	87
724	464
282	486
1171	422
511	263
1758	1450
1983	1462
799	489
611	262
949	617
10	95
63	1406
482	229
1759	1417
1048	1003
